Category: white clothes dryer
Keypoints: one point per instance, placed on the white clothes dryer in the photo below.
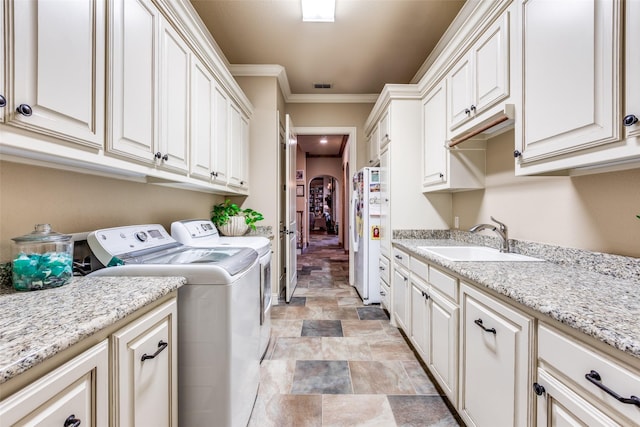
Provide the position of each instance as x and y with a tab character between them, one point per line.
202	233
218	317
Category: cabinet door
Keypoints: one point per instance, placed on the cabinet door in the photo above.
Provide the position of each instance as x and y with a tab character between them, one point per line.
490	58
134	84
144	356
61	92
384	129
460	92
632	64
570	73
374	147
385	217
495	342
220	161
78	390
443	334
3	87
236	148
420	317
400	295
560	406
202	120
434	122
174	99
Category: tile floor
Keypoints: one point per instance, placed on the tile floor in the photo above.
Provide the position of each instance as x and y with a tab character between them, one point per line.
334	362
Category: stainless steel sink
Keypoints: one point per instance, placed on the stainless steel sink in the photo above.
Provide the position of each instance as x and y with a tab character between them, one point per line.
475	253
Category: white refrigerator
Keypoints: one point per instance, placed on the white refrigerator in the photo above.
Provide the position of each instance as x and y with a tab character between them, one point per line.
365	233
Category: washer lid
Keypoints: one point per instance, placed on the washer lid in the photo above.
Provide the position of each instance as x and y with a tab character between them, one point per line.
233	260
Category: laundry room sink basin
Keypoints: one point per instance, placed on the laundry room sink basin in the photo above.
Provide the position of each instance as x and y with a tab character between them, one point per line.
474	253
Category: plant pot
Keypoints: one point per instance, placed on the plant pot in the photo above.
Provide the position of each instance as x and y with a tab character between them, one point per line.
236	226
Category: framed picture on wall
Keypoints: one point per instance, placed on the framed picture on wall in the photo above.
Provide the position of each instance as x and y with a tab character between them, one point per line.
300	190
300	175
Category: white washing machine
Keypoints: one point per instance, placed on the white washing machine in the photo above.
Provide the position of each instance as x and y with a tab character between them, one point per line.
202	233
218	317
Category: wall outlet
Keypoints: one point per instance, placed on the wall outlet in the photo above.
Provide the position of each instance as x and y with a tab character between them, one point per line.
456	222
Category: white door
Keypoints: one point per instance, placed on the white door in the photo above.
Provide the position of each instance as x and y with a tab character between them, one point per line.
290	213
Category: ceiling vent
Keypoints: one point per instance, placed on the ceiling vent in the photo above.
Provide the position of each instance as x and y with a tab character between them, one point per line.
322	85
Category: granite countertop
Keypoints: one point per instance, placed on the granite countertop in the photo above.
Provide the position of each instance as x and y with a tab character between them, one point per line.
599	305
36	325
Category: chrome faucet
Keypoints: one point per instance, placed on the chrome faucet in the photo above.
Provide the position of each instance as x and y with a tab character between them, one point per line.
502	232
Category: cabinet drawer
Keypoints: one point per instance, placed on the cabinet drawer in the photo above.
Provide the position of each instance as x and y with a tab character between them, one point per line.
573	360
384	269
385	295
78	389
420	268
401	257
444	283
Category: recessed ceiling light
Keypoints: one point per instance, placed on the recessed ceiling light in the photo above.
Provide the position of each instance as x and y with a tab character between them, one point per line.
323	140
318	10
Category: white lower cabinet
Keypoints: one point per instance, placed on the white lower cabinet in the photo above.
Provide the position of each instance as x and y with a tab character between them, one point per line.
420	317
128	379
494	363
76	393
576	384
443	336
385	279
144	363
400	289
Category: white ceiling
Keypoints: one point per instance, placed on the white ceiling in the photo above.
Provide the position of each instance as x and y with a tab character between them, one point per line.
371	42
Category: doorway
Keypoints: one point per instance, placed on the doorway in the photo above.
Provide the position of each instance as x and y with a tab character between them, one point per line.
324	206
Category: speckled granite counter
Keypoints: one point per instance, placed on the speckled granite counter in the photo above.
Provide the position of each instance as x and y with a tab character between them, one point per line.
36	325
602	306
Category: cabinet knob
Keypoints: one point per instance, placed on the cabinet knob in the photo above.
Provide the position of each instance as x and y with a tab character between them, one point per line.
383	293
161	346
467	111
517	154
630	120
72	421
473	108
538	389
241	182
441	175
159	155
25	110
3	101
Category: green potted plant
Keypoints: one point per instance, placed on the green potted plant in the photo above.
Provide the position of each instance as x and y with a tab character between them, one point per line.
231	220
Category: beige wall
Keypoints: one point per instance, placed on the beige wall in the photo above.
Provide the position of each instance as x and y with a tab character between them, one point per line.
73	202
593	212
335	115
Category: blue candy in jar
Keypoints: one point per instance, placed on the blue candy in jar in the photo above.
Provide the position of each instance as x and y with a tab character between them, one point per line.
42	259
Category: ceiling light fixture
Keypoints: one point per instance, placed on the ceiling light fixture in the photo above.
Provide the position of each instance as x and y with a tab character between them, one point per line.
323	140
318	10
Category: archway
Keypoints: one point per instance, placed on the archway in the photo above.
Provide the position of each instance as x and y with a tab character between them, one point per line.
324	205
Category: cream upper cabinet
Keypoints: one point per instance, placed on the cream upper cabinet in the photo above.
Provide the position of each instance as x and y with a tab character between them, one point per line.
384	128
134	31
631	112
238	148
202	120
494	362
144	355
59	92
571	85
76	393
445	169
175	68
3	87
374	147
220	162
480	79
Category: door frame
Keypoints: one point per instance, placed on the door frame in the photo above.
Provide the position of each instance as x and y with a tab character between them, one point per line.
352	132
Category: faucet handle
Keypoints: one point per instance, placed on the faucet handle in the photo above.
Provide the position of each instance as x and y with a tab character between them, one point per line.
503	227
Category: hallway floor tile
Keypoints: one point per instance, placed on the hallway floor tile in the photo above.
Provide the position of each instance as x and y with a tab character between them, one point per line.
334	362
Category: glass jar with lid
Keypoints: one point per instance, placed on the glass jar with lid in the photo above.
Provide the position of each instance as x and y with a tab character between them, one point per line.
42	259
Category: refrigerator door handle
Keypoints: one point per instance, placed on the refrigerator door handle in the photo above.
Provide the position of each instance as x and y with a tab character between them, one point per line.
352	225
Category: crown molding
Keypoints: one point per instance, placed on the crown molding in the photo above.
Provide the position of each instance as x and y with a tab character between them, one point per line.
278	71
